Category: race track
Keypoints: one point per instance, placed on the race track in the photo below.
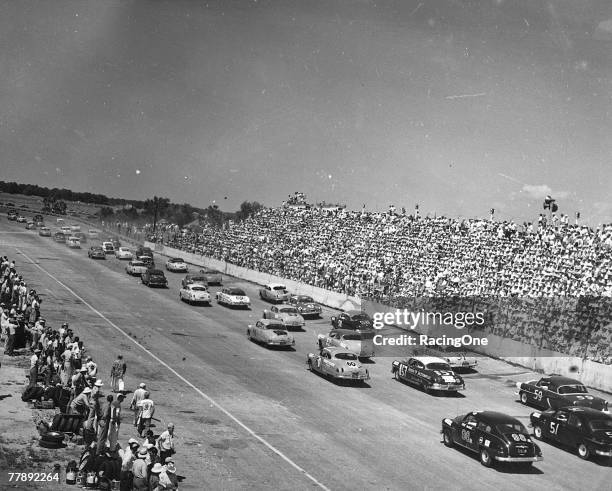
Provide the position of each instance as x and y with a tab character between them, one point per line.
250	417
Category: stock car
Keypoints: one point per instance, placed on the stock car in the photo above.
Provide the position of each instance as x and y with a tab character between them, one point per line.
495	436
30	226
194	293
270	333
108	247
44	232
59	237
11	215
73	242
96	252
233	297
213	277
176	265
81	236
154	277
429	373
305	305
557	391
338	363
136	268
359	342
586	430
457	358
148	260
287	314
194	279
21	219
352	319
274	292
124	253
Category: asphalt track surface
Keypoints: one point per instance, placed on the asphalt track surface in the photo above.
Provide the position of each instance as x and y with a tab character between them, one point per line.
251	417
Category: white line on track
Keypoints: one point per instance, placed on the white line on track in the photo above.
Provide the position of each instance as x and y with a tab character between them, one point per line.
205	396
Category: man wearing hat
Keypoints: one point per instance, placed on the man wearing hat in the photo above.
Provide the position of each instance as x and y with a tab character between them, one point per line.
34	367
156	469
81	403
167	477
147	410
12	330
115	420
128	456
139	470
137	397
165	443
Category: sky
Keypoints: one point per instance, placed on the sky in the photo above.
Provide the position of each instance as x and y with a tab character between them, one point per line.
457	105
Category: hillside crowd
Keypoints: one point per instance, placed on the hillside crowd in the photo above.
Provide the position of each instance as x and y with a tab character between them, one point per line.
62	371
394	258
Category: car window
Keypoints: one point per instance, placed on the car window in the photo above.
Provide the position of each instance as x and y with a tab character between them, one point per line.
470	420
346	356
603	424
484	427
573	389
574	421
289	310
198	288
279	288
438	366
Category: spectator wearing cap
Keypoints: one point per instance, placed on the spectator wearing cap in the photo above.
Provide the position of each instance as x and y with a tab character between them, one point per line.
128	456
12	330
168	478
147	410
154	473
139	470
115	420
67	366
165	443
34	362
92	368
137	397
117	374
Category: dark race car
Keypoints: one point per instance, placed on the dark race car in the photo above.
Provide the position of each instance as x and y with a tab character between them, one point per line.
154	277
59	237
352	319
305	305
429	373
191	279
496	437
556	391
96	252
585	430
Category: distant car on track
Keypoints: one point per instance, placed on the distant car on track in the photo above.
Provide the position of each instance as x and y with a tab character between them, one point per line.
148	260
44	232
429	373
154	277
194	293
270	333
73	242
30	226
352	319
11	215
457	358
21	219
59	237
287	314
176	265
583	429
338	363
96	252
494	436
359	342
124	253
305	305
135	267
213	277
108	247
81	236
233	297
193	279
557	391
274	292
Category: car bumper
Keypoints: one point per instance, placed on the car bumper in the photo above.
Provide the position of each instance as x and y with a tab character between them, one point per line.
519	459
200	300
280	343
447	387
603	453
158	283
351	376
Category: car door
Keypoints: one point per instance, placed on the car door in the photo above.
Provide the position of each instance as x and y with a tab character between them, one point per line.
539	394
415	369
573	431
556	426
256	332
402	371
468	432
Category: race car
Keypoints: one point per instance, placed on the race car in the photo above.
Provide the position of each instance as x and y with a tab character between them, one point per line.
496	437
21	219
194	294
95	252
338	363
136	268
270	333
154	277
457	358
557	391
233	297
177	265
352	319
429	373
124	253
44	232
81	236
59	237
192	279
108	247
583	429
73	242
11	215
305	305
213	277
274	292
30	226
148	260
287	314
359	342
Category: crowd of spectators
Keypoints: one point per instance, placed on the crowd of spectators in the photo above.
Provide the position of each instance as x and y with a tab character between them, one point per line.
60	371
394	258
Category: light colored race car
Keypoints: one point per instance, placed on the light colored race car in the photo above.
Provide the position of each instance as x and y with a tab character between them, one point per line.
194	293
287	314
274	292
136	268
44	232
457	358
233	297
124	253
359	342
338	363
177	265
73	242
305	305
270	333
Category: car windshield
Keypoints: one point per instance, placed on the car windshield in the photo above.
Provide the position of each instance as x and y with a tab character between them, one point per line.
438	366
360	317
352	337
236	291
288	310
346	356
279	288
138	263
275	326
176	260
601	424
157	273
572	389
305	299
197	278
96	248
511	427
198	289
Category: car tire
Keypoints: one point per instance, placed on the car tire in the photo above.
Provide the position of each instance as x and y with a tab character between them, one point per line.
485	458
537	432
249	335
583	451
523	397
447	438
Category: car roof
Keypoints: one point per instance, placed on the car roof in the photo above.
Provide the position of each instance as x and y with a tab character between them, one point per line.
561	380
587	412
156	271
176	260
494	417
274	285
429	359
285	305
334	350
268	322
353	312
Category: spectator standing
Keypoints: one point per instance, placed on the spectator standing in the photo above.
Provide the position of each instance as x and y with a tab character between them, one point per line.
139	470
147	410
104	417
154	477
137	397
12	330
34	361
115	421
165	443
117	374
128	456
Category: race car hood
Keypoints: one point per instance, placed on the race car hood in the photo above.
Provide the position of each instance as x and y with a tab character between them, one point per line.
585	400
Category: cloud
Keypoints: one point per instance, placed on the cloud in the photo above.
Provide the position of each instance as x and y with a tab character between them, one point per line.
537	191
